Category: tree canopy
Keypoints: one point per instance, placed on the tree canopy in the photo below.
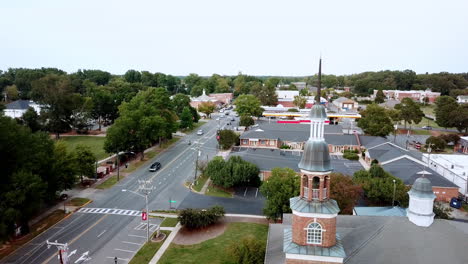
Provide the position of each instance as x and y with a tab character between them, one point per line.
282	185
248	104
233	172
410	112
375	121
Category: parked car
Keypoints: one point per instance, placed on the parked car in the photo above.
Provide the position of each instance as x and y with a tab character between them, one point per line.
226	113
427	127
200	132
155	166
233	119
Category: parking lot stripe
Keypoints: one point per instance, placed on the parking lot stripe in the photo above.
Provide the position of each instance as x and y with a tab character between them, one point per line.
136	236
133	243
124	250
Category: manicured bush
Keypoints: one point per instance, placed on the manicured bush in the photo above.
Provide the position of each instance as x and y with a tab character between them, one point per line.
197	218
228	138
234	172
246	121
285	147
350	156
436	143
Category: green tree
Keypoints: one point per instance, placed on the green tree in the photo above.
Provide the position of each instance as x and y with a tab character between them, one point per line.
55	92
85	161
345	192
444	107
304	92
279	188
180	101
265	93
379	97
246	121
143	120
300	101
248	104
436	143
103	107
207	108
64	169
186	119
378	186
191	81
132	76
222	86
459	117
234	172
410	112
375	121
227	138
31	120
12	93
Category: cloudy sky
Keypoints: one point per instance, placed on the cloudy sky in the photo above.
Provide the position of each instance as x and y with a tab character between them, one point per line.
258	37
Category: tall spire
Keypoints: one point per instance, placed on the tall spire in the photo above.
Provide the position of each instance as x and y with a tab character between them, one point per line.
319	85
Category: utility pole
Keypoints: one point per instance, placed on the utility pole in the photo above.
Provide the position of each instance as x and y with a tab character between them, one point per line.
118	166
394	190
63	250
146	188
196	165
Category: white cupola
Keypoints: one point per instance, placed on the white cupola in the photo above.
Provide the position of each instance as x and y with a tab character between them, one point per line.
421	203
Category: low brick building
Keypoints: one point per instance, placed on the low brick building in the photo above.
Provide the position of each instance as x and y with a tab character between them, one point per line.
418	96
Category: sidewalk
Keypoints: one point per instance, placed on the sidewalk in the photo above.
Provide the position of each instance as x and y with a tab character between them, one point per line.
165	245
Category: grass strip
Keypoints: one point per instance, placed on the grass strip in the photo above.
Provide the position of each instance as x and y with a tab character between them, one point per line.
169	222
149	249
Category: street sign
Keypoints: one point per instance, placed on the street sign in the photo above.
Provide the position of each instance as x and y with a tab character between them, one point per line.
172	201
144	216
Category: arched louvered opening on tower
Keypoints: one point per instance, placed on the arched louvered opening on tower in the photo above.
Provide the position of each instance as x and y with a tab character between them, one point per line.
326	187
305	187
315	188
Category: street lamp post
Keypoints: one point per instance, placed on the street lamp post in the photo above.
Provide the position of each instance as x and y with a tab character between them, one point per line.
394	189
146	190
196	165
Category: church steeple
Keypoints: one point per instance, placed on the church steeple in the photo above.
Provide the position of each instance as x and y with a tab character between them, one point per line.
319	84
312	238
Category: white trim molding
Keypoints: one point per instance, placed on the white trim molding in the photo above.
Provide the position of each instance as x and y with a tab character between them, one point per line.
314	215
314	258
315	173
402	157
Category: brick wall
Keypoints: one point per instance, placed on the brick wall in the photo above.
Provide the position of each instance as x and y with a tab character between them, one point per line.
444	194
300	235
297	261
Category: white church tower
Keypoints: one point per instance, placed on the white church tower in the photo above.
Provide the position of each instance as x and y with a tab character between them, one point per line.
421	203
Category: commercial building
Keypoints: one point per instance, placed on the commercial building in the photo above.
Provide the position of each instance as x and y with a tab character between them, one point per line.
418	96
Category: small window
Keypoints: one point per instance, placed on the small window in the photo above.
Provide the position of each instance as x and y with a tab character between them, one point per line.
314	234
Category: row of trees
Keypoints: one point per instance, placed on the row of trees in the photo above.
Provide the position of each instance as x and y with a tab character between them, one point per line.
233	172
449	113
35	169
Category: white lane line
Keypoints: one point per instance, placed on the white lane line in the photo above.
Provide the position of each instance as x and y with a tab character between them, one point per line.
102	233
124	250
137	236
133	243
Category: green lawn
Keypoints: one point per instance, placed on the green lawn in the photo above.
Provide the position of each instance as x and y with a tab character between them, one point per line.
214	250
216	191
147	252
95	143
169	222
78	201
200	182
428	109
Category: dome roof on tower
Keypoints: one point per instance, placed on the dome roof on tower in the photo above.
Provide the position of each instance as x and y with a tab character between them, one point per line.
422	188
315	157
317	112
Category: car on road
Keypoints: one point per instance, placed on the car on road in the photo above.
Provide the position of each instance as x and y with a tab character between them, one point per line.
233	119
155	166
427	127
200	132
226	113
217	119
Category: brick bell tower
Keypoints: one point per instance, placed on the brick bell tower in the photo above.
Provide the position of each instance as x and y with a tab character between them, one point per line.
312	239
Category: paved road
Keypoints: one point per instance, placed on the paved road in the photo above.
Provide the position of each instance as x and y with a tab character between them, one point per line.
104	232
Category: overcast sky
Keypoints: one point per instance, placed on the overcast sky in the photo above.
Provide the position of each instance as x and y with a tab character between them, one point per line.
257	37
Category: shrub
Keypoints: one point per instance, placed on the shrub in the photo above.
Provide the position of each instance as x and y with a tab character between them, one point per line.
233	172
197	218
454	138
249	251
442	212
350	156
285	147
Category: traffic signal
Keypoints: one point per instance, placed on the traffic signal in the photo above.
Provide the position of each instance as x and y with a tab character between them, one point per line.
144	216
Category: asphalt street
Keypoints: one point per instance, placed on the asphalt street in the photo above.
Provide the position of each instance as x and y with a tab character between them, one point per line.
99	236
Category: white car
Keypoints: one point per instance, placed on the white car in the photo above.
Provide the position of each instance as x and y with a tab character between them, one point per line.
217	119
200	132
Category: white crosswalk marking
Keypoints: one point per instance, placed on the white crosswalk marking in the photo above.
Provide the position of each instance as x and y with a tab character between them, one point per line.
109	211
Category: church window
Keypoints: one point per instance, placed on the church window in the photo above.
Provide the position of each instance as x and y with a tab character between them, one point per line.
314	233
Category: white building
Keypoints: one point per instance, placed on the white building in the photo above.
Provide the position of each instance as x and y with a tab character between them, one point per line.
462	99
286	94
453	167
17	108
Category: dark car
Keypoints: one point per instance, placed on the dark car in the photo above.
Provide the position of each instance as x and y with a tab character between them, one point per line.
155	166
427	127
